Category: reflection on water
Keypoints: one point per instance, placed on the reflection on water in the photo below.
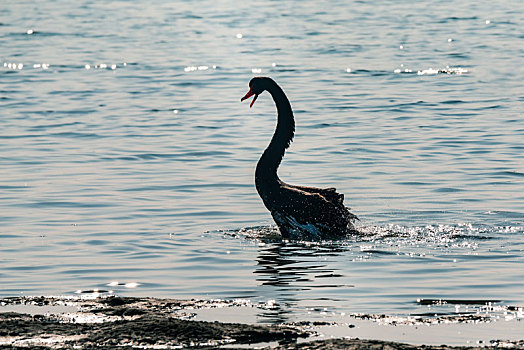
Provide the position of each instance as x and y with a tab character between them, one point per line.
343	276
287	269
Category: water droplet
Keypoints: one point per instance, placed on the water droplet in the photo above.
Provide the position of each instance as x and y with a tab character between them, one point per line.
256	70
87	66
450	40
175	111
348	70
239	36
401	47
113	66
488	21
30	31
273	64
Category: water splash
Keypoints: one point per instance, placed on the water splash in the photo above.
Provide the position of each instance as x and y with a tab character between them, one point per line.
438	234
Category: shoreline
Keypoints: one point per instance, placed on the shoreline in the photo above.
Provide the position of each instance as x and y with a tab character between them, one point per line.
149	323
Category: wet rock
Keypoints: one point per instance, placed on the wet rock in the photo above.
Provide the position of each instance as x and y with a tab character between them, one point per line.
127	323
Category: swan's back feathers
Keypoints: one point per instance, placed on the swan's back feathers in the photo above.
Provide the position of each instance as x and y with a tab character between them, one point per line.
313	210
329	194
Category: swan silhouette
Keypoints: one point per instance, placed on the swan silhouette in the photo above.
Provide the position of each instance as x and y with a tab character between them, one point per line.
300	212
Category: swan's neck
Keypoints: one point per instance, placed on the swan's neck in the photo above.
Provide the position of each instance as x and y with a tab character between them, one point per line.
268	164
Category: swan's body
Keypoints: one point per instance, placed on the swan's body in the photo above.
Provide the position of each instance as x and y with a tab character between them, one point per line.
300	212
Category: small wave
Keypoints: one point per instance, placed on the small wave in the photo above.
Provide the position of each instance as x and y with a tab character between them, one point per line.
199	68
388	234
263	233
447	70
457	301
433	71
455	18
511	173
463	235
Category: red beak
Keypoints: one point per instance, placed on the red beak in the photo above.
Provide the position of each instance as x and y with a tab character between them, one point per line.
248	95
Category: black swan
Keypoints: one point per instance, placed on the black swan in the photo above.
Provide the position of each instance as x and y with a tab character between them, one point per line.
303	213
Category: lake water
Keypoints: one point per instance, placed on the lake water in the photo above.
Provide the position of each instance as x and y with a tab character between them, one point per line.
127	159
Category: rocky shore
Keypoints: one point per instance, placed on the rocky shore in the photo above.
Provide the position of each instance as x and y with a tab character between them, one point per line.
148	323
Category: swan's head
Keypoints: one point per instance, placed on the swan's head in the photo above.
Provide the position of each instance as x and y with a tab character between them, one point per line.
257	86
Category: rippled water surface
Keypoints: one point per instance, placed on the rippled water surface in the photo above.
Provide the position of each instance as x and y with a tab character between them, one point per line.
127	157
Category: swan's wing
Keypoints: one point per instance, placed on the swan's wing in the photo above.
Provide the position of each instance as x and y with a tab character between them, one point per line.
330	194
307	207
